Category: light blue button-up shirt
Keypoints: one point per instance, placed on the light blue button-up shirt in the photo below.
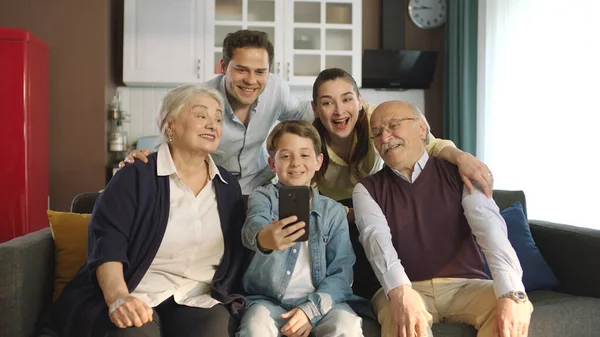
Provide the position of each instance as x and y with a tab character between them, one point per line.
331	255
241	150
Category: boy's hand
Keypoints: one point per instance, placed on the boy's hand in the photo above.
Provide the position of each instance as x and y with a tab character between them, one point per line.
298	324
275	237
139	154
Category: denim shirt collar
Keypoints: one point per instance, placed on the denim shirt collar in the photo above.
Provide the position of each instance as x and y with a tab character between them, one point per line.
317	204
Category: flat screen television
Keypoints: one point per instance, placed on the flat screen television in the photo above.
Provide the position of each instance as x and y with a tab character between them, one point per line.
399	69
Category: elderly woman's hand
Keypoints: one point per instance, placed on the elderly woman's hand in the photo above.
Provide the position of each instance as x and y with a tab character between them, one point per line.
139	154
127	311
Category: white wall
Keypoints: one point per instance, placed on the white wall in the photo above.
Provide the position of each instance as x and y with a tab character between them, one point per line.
143	103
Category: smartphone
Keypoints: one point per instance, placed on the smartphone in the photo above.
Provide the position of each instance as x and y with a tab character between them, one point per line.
295	200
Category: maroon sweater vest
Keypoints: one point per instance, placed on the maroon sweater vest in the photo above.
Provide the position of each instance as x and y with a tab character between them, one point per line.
429	230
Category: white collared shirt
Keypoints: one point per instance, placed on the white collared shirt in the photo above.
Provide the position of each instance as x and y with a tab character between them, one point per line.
192	246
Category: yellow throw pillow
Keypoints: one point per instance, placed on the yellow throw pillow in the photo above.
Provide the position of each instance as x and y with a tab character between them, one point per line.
69	231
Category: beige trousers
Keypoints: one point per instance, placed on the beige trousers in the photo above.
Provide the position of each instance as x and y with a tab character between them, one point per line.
447	300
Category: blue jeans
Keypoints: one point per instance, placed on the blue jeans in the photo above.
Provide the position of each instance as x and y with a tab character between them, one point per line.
263	318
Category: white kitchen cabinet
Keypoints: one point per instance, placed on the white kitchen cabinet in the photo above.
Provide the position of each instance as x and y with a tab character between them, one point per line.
228	16
322	34
308	36
163	42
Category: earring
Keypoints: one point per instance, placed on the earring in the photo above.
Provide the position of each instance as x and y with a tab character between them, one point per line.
170	138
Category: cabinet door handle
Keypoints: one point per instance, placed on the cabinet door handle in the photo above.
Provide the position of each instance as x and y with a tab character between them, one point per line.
199	70
287	75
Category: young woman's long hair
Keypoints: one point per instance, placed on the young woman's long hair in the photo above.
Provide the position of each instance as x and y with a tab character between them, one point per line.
357	171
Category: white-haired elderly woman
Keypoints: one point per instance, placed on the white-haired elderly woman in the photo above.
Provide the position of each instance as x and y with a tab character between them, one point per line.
164	244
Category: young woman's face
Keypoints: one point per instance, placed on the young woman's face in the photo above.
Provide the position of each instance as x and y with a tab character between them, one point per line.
337	106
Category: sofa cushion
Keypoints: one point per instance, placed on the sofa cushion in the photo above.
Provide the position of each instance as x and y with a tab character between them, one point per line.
26	277
69	231
453	329
558	314
537	275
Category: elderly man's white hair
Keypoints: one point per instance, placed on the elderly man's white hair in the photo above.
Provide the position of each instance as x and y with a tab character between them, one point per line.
417	114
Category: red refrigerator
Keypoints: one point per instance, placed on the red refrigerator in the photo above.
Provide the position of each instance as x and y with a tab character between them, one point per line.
24	136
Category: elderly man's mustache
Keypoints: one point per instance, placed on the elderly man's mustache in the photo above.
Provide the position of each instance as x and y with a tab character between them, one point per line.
393	143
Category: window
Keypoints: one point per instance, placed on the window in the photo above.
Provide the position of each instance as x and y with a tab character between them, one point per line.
538	104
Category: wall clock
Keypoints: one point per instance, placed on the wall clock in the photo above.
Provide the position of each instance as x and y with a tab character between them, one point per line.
427	14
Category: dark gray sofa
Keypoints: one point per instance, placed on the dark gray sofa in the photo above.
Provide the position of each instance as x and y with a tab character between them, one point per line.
27	264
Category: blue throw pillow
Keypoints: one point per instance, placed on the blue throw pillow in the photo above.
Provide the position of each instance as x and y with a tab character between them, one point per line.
537	275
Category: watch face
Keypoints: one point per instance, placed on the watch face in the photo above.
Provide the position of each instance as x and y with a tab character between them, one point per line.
520	295
427	14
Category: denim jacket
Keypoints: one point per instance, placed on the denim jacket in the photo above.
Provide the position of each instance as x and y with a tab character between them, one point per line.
331	254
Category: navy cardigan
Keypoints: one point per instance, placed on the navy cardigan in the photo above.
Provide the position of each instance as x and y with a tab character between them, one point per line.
127	225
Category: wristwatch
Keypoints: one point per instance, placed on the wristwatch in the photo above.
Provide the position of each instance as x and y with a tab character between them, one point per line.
516	295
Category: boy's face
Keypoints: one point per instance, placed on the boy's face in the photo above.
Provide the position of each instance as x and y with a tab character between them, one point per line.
295	161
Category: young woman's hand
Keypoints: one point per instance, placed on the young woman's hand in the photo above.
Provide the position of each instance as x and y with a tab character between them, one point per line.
275	237
298	324
472	169
139	154
128	311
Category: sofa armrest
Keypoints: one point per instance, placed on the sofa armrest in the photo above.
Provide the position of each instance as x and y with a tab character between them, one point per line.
572	253
26	281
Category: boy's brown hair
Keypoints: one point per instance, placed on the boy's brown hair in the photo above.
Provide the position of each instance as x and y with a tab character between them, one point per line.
299	128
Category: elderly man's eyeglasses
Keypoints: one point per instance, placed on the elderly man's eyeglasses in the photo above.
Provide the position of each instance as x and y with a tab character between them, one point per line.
392	125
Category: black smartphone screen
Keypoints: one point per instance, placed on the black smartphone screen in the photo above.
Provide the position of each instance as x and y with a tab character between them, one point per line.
295	200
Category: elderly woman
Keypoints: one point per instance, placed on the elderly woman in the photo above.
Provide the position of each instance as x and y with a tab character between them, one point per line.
164	250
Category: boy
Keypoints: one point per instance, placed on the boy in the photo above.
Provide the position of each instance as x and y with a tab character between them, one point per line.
293	287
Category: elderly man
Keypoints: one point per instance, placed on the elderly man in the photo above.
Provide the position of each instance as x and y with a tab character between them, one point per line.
418	224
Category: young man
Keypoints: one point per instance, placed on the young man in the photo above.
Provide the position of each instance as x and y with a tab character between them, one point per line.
255	101
292	287
418	225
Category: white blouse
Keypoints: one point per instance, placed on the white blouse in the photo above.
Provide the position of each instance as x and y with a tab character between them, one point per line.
192	246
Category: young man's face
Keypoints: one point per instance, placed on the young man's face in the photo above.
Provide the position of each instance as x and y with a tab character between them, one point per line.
246	75
295	161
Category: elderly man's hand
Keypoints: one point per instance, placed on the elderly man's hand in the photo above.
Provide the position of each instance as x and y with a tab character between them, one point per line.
472	169
407	312
512	318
